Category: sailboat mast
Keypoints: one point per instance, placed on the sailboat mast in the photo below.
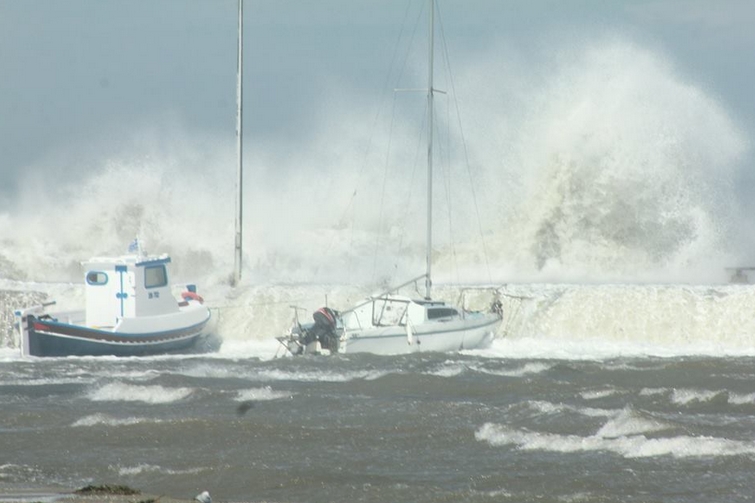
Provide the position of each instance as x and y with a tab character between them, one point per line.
429	251
239	149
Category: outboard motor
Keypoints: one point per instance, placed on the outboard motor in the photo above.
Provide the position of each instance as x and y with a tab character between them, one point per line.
324	329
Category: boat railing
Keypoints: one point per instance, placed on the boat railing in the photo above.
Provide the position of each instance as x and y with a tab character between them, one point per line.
392	290
378	320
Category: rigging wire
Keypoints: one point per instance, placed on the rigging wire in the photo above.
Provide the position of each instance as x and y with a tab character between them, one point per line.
464	147
382	192
351	204
390	138
417	153
447	174
377	116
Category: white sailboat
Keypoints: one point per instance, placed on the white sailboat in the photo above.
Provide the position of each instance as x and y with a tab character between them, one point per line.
389	323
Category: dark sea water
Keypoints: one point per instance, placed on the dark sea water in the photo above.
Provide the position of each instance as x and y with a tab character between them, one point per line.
473	427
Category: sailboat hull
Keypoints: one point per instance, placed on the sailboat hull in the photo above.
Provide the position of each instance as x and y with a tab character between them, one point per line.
474	331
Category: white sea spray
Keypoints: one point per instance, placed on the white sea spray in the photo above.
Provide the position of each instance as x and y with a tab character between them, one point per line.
123	392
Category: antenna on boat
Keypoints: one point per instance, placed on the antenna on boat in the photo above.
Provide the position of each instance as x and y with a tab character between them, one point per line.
429	251
239	150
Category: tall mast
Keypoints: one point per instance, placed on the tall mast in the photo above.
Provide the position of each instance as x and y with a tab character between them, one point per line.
239	148
429	251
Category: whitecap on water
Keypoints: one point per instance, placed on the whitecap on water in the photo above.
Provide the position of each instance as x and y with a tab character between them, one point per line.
545	407
148	468
261	394
627	423
106	420
741	399
598	394
634	446
121	392
687	396
320	375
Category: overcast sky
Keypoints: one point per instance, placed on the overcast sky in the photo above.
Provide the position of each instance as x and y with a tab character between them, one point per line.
73	72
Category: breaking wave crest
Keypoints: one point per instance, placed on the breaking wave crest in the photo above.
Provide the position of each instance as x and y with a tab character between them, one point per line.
107	420
626	432
622	170
611	165
261	394
125	471
121	392
634	446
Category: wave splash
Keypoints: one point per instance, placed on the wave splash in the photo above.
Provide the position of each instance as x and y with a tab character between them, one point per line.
625	432
609	166
121	392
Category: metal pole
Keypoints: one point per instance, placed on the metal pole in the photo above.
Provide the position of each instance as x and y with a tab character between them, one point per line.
239	149
429	251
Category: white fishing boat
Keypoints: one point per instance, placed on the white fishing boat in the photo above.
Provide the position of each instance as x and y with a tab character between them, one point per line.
130	311
390	323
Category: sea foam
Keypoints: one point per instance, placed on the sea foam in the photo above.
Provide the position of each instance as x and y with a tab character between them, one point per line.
107	420
148	468
261	394
633	446
121	392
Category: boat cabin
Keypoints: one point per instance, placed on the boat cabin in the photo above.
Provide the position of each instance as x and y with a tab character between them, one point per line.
127	287
394	310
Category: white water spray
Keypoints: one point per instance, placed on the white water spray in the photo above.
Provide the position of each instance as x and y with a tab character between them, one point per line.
613	168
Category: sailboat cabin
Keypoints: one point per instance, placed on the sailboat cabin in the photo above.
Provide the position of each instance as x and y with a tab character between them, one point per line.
127	287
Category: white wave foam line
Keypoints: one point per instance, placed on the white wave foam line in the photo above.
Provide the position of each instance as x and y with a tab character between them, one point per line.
687	396
261	394
147	468
121	392
574	347
527	369
636	446
740	399
209	371
282	375
653	391
134	375
106	420
545	407
627	423
598	394
452	369
449	368
321	376
45	381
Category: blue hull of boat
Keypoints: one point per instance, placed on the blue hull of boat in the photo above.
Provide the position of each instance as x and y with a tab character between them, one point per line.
50	338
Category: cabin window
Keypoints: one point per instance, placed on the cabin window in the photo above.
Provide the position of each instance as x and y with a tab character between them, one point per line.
155	276
441	312
96	278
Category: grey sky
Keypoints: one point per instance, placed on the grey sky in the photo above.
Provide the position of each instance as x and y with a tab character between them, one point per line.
73	71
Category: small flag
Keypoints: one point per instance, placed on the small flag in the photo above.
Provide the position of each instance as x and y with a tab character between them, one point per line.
133	247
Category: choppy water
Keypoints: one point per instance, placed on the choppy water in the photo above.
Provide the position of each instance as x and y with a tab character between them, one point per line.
473	427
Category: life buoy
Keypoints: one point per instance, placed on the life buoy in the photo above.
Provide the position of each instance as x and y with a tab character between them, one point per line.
192	296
